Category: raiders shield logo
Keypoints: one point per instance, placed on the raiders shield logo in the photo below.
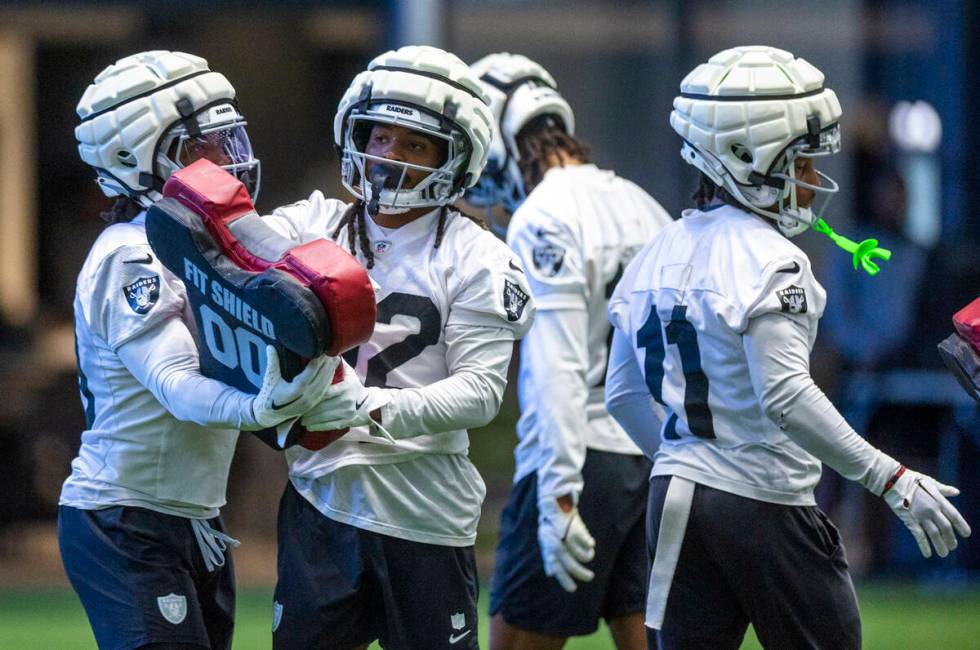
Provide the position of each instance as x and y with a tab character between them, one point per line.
173	608
792	299
548	259
514	300
276	614
143	294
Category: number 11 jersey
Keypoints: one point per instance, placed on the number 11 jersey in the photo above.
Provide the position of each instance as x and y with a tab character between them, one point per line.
685	301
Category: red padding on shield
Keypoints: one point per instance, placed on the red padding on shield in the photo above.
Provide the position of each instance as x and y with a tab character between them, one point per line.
210	191
345	292
335	277
967	323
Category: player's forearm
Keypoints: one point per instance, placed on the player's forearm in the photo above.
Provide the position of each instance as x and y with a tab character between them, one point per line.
554	360
190	396
778	362
463	401
470	397
166	362
627	398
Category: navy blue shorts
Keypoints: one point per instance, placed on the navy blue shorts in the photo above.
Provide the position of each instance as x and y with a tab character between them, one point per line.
341	586
613	506
141	578
782	568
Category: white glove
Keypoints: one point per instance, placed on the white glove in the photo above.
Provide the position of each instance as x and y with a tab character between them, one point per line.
566	544
280	400
346	404
920	502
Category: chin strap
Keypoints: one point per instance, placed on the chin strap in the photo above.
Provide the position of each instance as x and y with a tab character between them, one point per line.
863	254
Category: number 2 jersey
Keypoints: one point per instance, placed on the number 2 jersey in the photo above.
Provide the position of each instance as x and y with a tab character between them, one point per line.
447	319
684	302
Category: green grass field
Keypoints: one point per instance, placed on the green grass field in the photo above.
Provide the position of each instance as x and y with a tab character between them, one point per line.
895	617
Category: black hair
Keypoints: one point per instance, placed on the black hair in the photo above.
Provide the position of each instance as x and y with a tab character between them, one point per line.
708	191
357	237
122	210
543	138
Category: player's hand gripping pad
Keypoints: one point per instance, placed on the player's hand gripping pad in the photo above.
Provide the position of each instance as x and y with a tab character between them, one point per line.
960	350
249	287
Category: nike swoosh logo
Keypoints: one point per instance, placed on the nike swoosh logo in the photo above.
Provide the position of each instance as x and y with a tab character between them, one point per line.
147	260
544	233
276	407
357	405
793	269
511	264
453	639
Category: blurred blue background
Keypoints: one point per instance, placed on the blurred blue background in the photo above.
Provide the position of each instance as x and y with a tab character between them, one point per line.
906	74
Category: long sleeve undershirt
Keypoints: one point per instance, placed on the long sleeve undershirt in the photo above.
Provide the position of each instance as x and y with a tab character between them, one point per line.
477	358
779	366
628	399
165	360
555	360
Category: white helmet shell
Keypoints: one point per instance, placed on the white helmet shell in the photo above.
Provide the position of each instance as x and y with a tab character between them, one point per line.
520	90
428	90
746	114
138	107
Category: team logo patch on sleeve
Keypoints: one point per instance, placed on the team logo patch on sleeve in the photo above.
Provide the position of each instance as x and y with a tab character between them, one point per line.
514	300
792	299
548	259
143	294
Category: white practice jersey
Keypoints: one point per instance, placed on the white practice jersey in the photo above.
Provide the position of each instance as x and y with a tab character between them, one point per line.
134	452
576	233
684	303
424	487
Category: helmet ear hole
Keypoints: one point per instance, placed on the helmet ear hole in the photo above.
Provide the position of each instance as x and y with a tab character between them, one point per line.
126	158
742	152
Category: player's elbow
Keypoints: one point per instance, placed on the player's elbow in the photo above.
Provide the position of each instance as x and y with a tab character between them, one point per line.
616	406
777	396
489	395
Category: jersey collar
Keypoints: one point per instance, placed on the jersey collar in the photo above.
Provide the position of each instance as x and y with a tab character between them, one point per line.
421	227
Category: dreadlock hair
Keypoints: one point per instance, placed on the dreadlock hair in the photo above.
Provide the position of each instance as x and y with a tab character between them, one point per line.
542	139
357	237
356	230
122	210
708	191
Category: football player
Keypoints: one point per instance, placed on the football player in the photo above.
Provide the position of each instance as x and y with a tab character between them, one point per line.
376	531
571	548
715	318
138	524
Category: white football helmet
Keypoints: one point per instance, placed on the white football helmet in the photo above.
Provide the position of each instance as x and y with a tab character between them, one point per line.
745	116
425	89
149	114
520	90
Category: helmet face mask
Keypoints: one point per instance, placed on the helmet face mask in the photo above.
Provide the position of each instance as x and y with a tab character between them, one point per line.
220	137
428	91
791	218
395	196
746	116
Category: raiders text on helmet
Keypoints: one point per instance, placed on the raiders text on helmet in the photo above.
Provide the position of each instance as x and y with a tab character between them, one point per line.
745	116
145	115
520	90
428	90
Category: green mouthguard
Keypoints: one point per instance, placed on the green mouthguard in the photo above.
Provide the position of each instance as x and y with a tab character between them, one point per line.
862	254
